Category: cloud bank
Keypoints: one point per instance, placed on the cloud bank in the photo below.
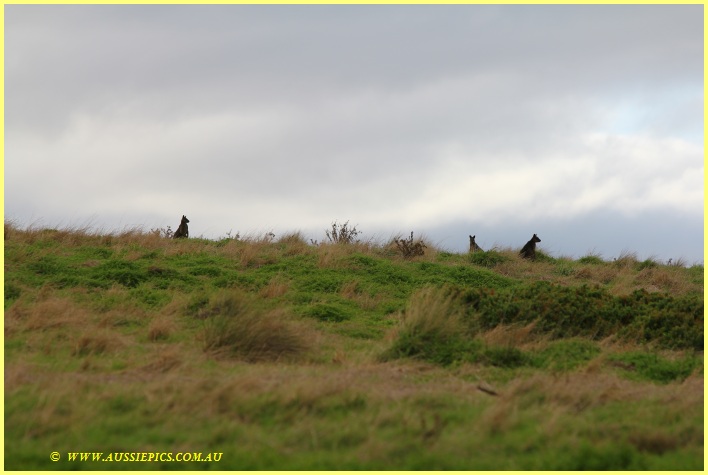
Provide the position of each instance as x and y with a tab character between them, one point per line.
394	117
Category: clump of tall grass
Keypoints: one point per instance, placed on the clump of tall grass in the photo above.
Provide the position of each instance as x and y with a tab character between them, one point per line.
626	259
592	257
488	259
432	328
234	326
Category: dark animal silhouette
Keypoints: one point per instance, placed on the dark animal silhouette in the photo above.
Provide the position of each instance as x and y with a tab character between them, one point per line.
183	229
529	249
473	245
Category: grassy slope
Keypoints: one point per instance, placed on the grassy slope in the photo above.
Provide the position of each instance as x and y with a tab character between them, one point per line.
282	355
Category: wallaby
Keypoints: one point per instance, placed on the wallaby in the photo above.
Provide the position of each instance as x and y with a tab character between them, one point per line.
473	245
182	230
529	250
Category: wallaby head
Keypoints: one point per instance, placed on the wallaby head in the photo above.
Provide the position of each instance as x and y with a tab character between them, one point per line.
535	238
185	220
473	245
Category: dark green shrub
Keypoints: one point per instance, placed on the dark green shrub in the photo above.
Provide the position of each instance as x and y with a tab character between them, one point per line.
564	312
208	271
505	357
46	266
327	312
121	272
604	456
12	292
653	367
322	281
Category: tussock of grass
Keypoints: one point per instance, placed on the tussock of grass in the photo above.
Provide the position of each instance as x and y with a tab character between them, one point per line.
592	258
234	326
488	259
432	328
46	313
94	343
160	329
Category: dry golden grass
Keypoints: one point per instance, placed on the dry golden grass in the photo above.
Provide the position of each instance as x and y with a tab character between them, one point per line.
434	310
96	342
577	392
235	327
599	274
251	253
82	235
333	256
48	312
276	287
294	243
165	360
514	336
160	328
665	279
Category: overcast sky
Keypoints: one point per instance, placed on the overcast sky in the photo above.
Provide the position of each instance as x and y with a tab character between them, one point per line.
583	124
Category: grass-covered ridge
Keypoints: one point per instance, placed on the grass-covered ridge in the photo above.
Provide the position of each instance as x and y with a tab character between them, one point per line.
286	354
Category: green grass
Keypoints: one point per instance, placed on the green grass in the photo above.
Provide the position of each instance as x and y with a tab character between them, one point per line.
280	355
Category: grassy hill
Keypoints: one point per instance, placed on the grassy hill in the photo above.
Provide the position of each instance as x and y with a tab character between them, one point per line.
274	353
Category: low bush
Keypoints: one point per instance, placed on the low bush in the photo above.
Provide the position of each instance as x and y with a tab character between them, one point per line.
564	312
342	234
505	357
328	312
409	248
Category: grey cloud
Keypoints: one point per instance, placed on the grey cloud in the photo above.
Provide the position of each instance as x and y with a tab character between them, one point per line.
257	54
299	114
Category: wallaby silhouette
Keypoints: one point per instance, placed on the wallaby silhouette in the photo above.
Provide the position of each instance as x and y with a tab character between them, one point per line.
183	229
529	249
473	245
